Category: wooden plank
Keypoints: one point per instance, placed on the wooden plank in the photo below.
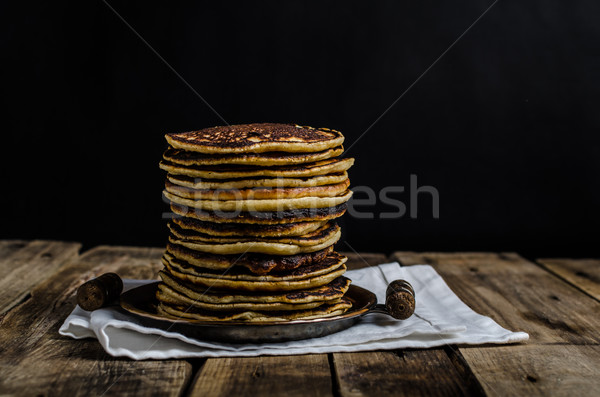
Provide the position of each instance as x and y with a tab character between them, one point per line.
36	360
24	264
363	259
548	370
403	373
406	372
583	273
517	294
306	375
8	247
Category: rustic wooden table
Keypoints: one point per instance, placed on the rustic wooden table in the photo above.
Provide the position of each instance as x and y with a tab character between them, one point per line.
555	300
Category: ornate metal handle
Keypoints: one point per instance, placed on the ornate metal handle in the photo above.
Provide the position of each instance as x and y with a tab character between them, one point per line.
99	292
399	300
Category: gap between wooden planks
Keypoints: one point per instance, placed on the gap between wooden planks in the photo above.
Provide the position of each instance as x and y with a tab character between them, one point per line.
36	360
562	354
581	273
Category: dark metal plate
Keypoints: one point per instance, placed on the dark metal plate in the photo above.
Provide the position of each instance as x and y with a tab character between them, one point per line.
141	301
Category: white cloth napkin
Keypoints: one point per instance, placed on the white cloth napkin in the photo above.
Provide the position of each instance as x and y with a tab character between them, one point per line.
440	318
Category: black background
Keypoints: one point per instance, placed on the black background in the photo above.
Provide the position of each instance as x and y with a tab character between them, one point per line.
505	125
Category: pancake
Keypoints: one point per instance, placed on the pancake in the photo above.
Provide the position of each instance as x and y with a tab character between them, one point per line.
263	217
256	138
189	313
243	171
244	285
257	193
239	273
256	246
197	183
260	205
171	296
328	292
256	263
319	236
185	157
242	229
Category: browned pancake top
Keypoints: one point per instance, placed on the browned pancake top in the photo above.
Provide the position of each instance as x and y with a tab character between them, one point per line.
237	136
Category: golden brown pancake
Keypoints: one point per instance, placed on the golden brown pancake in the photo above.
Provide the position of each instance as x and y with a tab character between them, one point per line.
256	263
256	138
260	205
202	282
319	236
190	313
257	193
261	247
175	291
240	273
244	229
185	157
241	171
172	296
204	183
262	217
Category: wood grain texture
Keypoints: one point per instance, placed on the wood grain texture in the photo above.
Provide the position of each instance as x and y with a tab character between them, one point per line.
36	360
548	370
405	373
306	375
363	259
517	294
24	264
8	247
562	353
582	273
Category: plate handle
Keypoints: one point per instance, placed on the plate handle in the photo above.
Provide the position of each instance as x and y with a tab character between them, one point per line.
399	300
99	292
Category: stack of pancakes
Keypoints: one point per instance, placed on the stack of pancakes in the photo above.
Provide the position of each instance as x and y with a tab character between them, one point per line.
254	227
